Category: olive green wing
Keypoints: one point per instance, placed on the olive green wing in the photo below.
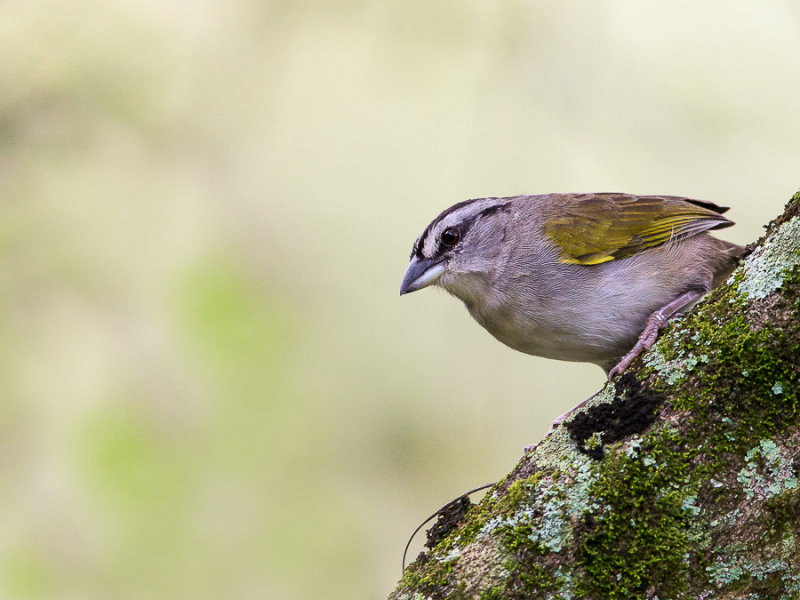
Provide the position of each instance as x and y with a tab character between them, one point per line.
590	229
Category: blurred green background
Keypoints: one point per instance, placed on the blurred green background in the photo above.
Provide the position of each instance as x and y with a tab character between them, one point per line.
211	386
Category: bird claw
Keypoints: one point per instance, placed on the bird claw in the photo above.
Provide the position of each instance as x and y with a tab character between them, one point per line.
655	323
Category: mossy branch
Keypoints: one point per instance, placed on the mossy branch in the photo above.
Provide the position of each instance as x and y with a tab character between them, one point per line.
679	480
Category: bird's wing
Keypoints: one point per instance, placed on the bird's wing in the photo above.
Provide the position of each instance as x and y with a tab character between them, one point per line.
590	229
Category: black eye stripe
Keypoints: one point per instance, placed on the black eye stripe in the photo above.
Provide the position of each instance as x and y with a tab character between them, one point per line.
417	249
421	241
463	226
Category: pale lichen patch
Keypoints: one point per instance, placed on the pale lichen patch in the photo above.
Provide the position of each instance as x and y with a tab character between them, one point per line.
767	472
670	371
764	270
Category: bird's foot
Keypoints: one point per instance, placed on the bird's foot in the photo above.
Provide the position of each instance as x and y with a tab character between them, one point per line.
655	323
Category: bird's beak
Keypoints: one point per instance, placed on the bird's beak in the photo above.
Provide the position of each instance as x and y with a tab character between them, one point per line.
421	273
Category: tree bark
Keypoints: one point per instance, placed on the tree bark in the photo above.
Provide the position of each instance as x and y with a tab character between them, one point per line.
678	480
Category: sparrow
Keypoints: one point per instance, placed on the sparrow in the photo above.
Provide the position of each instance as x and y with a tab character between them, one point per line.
576	277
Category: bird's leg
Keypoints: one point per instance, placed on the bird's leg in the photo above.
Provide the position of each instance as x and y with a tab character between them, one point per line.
655	323
558	421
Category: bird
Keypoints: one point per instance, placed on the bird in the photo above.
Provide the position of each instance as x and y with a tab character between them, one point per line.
575	277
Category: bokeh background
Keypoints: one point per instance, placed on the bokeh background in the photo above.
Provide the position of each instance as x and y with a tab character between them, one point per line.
211	387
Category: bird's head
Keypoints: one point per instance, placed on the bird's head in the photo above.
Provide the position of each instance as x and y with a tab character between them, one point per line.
459	249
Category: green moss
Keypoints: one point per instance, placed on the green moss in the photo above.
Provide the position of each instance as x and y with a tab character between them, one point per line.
518	491
431	578
758	401
781	521
494	593
729	410
482	519
638	539
532	520
528	577
434	574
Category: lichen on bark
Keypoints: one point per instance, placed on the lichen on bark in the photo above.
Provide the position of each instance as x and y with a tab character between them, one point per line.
679	480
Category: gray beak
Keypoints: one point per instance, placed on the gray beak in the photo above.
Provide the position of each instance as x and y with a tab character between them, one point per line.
421	273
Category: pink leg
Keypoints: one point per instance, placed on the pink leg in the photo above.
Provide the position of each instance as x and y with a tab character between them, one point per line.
558	421
655	323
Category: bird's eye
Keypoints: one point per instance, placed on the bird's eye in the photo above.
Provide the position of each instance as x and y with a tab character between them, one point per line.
450	236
